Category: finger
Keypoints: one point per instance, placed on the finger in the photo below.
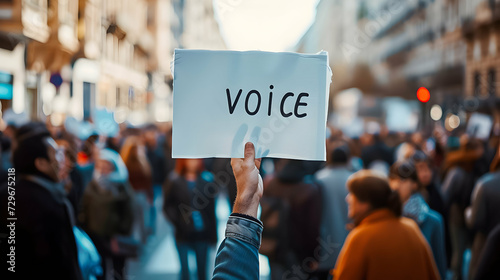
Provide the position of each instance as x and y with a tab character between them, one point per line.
258	162
249	154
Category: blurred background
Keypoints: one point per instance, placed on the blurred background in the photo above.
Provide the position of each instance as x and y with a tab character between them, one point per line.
63	58
102	67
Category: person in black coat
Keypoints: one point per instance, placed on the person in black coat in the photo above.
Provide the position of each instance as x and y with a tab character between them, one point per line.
189	203
488	267
45	246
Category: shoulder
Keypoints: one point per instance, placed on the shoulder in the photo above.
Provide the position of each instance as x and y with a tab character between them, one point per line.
489	179
409	224
322	174
433	221
358	236
434	217
455	172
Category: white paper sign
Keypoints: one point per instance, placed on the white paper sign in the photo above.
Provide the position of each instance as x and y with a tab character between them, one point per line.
223	99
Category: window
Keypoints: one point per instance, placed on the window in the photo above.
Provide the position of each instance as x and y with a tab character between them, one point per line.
492	82
477	84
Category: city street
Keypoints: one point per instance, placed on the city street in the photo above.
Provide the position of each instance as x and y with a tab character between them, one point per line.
249	139
159	260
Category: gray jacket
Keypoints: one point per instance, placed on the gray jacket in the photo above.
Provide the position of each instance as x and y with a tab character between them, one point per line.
333	230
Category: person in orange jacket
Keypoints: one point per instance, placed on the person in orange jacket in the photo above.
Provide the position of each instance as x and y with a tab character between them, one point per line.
382	244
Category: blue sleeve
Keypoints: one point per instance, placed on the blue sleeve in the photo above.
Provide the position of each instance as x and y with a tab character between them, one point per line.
439	246
238	254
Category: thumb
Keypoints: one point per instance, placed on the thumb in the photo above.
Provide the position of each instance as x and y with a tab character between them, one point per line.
249	154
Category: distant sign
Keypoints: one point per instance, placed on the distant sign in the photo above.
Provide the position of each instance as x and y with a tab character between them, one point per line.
222	99
479	126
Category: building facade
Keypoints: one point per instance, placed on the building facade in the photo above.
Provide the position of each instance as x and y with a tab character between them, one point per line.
482	36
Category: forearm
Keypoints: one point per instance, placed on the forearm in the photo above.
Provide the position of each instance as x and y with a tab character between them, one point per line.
238	254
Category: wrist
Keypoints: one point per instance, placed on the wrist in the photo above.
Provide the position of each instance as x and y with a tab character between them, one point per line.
247	205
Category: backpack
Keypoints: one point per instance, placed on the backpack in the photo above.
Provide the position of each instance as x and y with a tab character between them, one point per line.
275	216
108	208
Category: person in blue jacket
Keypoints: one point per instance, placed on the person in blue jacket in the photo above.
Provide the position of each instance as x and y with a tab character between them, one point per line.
238	254
403	178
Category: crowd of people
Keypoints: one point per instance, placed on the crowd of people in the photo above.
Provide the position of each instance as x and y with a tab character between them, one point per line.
447	183
383	206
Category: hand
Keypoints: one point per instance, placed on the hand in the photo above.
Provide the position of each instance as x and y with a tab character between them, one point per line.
248	182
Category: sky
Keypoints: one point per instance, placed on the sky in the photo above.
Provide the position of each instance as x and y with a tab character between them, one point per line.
267	25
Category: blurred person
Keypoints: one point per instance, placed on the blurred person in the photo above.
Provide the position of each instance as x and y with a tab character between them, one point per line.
221	168
418	140
7	142
87	157
189	203
457	188
113	143
292	237
154	144
403	178
382	245
484	212
488	267
374	148
5	162
133	154
88	257
430	191
333	179
404	151
107	212
167	150
71	178
45	244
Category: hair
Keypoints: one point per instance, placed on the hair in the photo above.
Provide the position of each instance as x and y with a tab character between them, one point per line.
405	170
89	143
133	159
369	187
340	155
420	156
180	166
30	145
292	172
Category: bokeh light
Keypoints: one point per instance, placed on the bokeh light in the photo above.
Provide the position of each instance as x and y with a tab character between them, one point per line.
423	95
436	112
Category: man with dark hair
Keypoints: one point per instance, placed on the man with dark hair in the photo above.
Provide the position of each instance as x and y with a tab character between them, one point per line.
45	245
333	231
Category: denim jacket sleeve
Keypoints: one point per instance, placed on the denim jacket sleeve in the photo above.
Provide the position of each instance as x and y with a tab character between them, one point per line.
238	254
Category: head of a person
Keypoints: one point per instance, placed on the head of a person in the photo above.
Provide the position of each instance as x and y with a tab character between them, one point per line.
110	167
69	158
90	147
423	167
132	149
403	179
103	167
292	171
189	166
150	135
10	131
370	191
36	152
340	155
